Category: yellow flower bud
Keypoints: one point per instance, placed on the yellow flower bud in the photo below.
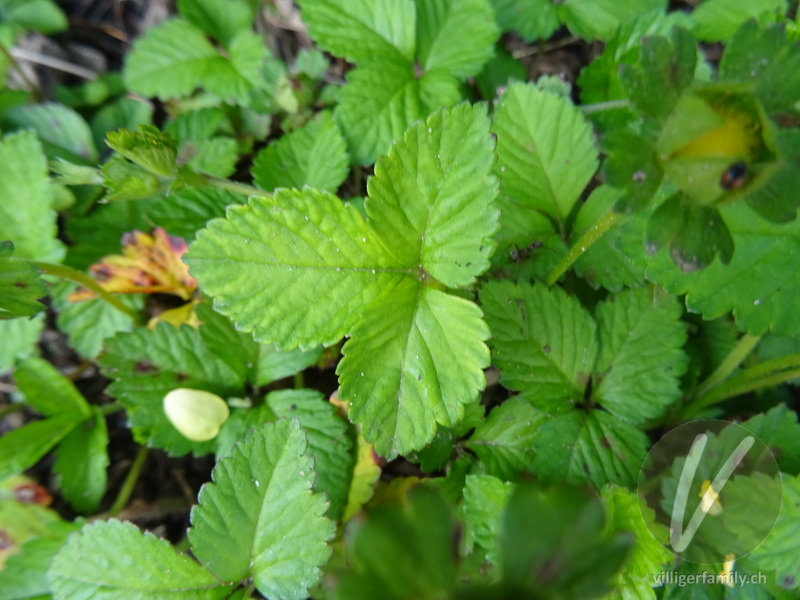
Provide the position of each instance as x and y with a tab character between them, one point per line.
197	414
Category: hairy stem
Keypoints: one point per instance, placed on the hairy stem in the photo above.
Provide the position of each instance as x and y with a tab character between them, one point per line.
603	106
730	363
585	242
744	383
236	187
130	482
83	279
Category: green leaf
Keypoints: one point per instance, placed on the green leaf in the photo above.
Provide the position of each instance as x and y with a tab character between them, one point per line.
485	498
328	442
315	155
599	19
20	337
455	36
637	174
761	57
410	363
779	430
26	216
534	20
184	213
666	66
48	391
718	20
146	364
589	446
274	364
40	15
758	285
545	149
201	145
363	32
641	357
778	552
81	462
113	559
305	241
175	58
617	260
627	512
504	442
88	324
446	168
259	518
402	554
554	544
382	99
124	113
57	125
543	342
20	285
22	448
218	18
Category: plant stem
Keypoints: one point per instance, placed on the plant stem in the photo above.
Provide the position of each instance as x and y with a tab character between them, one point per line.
236	187
113	407
729	364
299	381
585	242
603	106
744	383
130	482
66	272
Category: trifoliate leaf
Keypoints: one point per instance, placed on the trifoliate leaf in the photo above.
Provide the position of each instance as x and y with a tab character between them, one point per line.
328	442
410	363
20	285
149	363
48	391
315	155
554	544
761	58
778	552
113	559
485	499
543	342
306	241
665	68
408	553
504	442
589	446
545	149
58	127
22	448
641	357
87	324
26	216
197	414
382	99
533	20
718	20
455	36
626	512
758	285
259	518
362	31
221	20
447	229
617	260
81	462
599	19
21	336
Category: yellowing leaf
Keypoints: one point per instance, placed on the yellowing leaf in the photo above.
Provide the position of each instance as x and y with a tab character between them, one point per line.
148	264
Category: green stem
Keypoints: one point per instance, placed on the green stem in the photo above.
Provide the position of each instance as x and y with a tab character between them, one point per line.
744	383
731	362
791	361
585	242
83	279
236	187
12	408
299	381
130	482
113	407
603	106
